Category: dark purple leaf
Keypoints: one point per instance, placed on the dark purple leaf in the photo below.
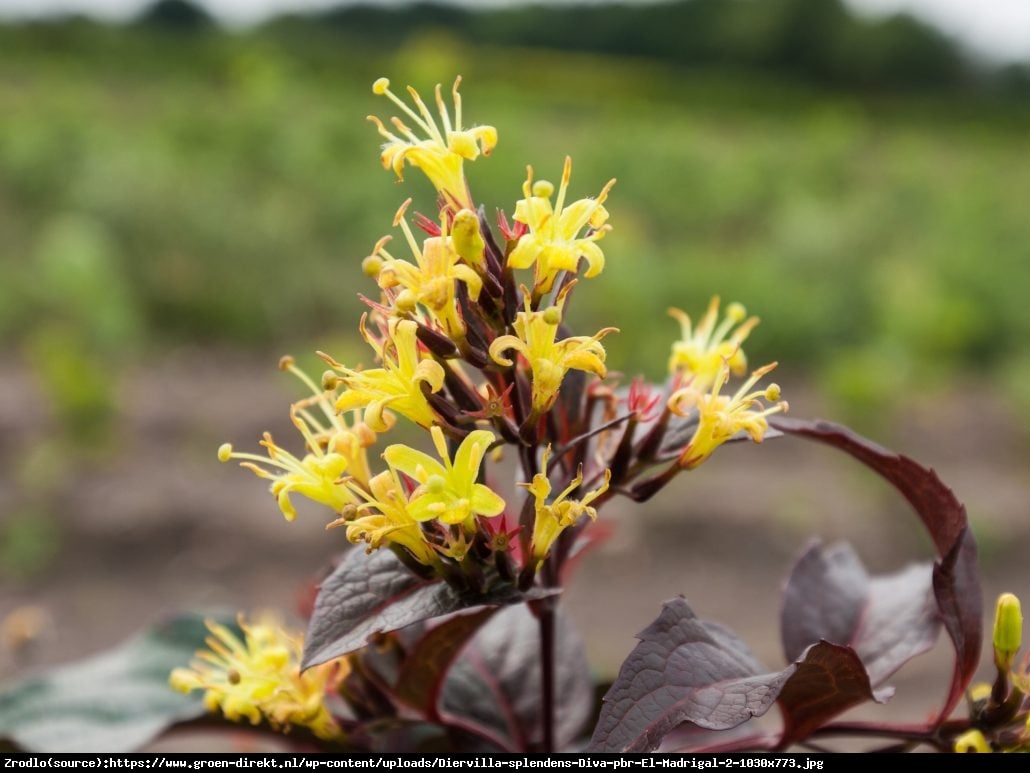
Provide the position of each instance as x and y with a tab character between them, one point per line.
956	576
689	670
887	620
956	584
828	680
422	673
366	595
495	684
683	670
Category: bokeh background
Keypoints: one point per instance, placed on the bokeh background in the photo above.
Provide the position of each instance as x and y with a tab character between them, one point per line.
183	200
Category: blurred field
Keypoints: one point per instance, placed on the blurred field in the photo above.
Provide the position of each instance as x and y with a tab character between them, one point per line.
177	209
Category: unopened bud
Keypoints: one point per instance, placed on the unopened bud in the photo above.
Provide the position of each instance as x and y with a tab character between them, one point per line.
972	741
552	316
1008	630
380	86
466	238
225	452
286	362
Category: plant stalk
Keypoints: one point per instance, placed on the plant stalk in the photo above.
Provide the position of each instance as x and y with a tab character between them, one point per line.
546	620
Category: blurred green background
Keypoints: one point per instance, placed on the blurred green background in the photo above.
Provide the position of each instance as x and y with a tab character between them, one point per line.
180	204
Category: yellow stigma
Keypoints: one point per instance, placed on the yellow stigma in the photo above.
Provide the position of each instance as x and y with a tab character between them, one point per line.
225	452
380	86
553	243
699	355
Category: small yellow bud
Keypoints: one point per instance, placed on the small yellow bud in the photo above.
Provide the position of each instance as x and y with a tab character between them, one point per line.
380	86
286	362
225	452
371	266
972	741
466	238
330	381
543	189
552	315
1008	630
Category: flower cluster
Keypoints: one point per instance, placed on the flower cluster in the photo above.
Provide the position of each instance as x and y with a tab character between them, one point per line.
257	678
467	350
1000	712
471	344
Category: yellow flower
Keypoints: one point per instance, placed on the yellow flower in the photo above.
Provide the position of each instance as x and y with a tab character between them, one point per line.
721	417
398	385
332	449
383	518
259	677
431	281
549	359
441	150
551	519
553	243
972	741
448	491
700	355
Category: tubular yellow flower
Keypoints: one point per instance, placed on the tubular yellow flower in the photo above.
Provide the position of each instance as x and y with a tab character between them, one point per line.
384	518
700	354
549	359
721	417
398	385
553	243
332	449
259	677
441	150
432	280
551	519
448	491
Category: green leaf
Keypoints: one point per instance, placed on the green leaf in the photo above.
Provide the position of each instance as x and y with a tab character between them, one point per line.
114	702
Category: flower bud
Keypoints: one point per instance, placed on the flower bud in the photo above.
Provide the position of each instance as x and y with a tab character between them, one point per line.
972	741
466	238
1008	630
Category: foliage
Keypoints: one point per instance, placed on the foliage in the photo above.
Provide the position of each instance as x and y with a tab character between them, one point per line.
446	632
